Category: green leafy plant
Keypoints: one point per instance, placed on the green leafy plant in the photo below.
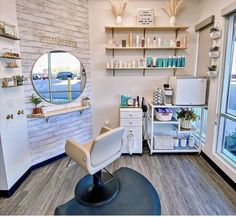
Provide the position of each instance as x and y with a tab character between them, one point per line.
186	114
216	48
212	68
19	80
214	29
35	100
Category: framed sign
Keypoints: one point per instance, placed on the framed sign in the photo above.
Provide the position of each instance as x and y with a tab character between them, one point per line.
145	17
7	29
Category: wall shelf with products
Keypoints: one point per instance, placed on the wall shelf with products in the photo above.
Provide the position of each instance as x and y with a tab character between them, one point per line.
146	68
146	48
57	112
154	28
172	143
143	43
9	37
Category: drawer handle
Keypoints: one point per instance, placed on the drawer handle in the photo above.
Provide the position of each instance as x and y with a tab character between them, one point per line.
131	131
131	122
131	115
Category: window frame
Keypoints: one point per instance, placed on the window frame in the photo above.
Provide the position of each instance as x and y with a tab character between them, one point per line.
224	115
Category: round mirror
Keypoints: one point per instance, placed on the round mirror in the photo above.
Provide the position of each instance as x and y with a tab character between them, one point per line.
58	77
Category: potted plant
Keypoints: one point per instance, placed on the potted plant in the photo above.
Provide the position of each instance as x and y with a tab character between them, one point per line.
119	10
19	80
186	117
85	101
214	52
215	33
172	9
230	142
36	101
212	71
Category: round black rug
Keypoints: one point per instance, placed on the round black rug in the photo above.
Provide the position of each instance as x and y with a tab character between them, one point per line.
136	196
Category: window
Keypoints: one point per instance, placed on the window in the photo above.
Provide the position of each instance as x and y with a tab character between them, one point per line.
227	129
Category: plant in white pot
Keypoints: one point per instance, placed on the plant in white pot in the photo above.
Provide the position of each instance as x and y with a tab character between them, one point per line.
172	10
186	117
119	10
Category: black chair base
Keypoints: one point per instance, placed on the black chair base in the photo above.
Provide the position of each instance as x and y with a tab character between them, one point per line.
97	190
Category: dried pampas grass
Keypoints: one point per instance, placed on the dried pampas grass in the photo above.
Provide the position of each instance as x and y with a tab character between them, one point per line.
118	12
173	7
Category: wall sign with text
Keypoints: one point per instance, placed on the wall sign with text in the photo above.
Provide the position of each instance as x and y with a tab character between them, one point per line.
145	17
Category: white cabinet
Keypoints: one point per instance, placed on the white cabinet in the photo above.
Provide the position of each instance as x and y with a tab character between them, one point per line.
131	120
15	157
14	151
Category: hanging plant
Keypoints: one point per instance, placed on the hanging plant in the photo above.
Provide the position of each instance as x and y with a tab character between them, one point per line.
215	33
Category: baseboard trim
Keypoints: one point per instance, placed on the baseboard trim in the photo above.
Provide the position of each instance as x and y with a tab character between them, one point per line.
12	190
219	171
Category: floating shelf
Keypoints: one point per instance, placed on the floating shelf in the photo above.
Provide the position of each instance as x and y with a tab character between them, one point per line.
156	28
146	48
176	150
10	37
47	115
147	68
192	130
9	87
177	106
10	58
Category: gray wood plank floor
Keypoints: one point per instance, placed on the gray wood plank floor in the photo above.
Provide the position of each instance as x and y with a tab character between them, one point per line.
186	185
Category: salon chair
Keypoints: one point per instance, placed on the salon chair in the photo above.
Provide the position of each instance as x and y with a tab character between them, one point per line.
97	188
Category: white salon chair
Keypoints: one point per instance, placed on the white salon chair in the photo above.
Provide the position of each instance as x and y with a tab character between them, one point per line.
97	188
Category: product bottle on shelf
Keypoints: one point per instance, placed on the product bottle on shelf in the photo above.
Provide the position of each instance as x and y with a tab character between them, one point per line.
137	41
154	42
143	42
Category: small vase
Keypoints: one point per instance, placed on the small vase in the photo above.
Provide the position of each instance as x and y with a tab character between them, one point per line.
172	21
118	20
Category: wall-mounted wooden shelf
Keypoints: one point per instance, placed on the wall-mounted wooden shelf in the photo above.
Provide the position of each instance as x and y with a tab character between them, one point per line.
153	28
10	37
147	68
146	48
144	29
9	58
47	115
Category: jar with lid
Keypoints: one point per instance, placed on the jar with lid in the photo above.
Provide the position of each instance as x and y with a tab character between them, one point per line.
168	95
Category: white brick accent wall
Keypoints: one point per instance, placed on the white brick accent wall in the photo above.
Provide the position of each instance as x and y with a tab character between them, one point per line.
66	19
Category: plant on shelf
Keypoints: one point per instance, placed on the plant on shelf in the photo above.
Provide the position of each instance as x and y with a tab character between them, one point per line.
118	11
214	29
216	48
212	68
36	101
215	33
19	80
230	142
186	116
172	10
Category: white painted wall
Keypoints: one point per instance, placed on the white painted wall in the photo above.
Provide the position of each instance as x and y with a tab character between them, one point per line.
106	88
207	9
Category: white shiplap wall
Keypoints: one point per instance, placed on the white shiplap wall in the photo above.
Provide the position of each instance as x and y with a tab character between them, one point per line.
66	19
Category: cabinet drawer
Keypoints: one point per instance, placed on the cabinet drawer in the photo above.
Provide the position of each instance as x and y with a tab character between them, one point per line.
131	114
131	122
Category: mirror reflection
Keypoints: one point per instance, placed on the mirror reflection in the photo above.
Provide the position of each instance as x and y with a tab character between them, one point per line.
58	77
